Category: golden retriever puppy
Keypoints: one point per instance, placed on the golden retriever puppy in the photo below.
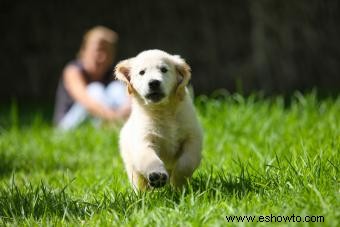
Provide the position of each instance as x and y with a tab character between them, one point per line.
162	139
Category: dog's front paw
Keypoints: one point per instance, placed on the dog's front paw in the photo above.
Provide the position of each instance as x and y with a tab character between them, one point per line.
157	179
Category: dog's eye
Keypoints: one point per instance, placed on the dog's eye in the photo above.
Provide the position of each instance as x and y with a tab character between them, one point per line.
163	69
141	72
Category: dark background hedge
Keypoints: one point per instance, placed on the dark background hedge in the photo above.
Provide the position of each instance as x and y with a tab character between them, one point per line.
275	46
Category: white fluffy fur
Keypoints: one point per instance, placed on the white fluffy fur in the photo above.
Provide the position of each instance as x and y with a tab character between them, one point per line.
162	139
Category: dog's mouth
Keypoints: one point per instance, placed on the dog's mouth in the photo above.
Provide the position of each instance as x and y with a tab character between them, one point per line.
155	96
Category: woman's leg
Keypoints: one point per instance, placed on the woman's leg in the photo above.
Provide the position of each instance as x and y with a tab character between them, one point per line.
77	114
116	94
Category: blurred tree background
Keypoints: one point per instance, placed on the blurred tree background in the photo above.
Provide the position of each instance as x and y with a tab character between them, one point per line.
240	45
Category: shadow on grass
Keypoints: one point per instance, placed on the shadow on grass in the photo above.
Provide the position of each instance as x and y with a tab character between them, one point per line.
223	183
23	202
18	203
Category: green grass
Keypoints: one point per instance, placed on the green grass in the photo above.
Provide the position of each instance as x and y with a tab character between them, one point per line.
261	157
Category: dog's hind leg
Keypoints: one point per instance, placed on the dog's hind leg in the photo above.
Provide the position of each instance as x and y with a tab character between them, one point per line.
187	163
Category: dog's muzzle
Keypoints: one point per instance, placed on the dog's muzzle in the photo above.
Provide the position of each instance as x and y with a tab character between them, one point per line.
155	92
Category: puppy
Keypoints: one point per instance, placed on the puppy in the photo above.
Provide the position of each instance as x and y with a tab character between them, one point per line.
162	139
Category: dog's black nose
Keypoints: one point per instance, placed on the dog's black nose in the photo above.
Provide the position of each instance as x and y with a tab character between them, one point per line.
154	84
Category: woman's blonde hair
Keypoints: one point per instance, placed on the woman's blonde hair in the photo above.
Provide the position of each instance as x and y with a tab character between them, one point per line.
99	33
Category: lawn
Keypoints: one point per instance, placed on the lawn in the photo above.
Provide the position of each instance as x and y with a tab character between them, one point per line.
262	156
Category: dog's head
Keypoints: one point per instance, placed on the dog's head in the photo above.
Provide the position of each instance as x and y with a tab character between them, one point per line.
154	76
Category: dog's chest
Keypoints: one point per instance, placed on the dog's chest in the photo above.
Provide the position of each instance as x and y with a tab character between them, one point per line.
166	138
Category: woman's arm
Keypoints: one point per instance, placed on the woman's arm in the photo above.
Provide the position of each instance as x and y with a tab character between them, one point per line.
76	86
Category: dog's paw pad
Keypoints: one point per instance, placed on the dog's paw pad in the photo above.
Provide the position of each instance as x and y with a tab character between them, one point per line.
157	179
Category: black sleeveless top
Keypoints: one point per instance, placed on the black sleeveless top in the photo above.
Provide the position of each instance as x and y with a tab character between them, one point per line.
64	101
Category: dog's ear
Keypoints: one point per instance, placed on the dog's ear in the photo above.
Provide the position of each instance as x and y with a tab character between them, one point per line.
183	74
122	72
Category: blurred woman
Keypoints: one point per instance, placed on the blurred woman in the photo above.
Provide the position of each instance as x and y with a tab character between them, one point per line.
86	87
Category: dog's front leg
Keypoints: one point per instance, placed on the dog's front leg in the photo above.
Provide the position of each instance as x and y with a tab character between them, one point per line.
149	165
188	161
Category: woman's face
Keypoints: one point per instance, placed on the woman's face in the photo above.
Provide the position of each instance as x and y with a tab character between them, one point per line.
97	57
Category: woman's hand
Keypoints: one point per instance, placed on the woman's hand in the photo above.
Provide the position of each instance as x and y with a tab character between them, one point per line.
120	114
